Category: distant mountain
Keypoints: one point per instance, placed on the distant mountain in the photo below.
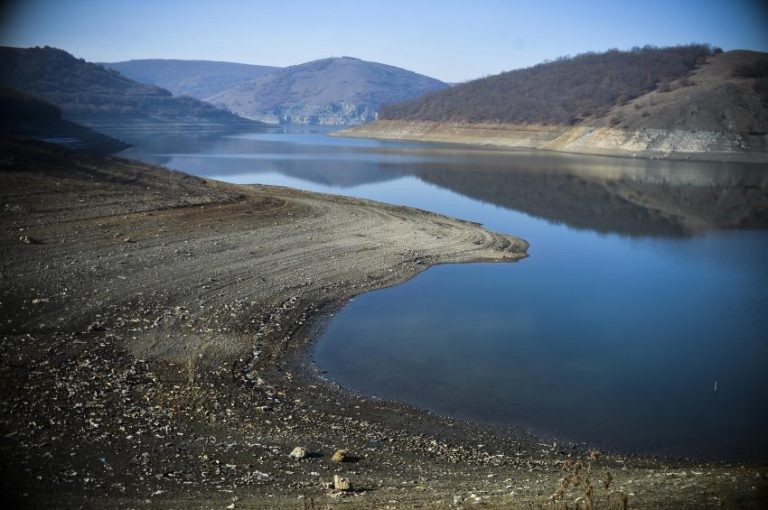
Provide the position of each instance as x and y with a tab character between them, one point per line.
26	116
105	100
331	91
195	78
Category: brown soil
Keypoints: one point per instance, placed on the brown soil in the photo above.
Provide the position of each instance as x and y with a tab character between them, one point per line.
155	330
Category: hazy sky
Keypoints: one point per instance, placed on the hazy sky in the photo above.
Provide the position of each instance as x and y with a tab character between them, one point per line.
450	40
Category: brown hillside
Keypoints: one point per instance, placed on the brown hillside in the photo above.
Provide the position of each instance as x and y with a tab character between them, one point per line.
729	93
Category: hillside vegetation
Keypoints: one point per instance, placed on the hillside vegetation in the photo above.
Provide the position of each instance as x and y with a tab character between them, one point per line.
727	94
329	91
104	99
566	91
194	78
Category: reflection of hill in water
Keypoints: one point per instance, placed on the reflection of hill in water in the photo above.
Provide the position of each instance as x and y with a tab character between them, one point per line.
641	198
609	195
218	157
560	199
332	173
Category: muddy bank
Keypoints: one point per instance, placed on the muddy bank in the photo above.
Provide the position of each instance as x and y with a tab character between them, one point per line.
154	331
640	143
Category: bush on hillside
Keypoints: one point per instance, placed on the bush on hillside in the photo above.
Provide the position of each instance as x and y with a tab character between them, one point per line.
564	91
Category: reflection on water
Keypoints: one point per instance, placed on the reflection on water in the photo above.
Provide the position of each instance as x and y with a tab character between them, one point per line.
647	282
620	195
654	203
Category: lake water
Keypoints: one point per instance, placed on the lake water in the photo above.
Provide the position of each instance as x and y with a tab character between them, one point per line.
639	322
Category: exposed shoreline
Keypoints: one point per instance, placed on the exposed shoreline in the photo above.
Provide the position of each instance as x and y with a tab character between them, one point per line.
156	330
646	143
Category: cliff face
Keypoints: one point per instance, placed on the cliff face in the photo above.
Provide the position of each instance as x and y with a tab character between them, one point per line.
328	114
332	91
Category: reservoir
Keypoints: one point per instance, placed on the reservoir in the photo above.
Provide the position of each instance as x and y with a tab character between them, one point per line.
639	322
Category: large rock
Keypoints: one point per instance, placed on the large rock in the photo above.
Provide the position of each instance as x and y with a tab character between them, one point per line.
341	484
339	456
298	453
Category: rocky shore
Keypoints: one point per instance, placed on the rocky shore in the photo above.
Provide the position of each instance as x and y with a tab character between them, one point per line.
599	140
155	331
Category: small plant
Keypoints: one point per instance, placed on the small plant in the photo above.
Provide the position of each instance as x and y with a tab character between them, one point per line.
576	487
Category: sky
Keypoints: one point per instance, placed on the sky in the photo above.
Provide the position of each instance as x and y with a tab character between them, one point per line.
450	40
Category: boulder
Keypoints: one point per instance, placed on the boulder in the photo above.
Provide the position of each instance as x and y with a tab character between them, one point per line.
341	484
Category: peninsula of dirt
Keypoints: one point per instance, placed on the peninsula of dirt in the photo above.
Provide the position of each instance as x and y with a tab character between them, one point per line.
154	334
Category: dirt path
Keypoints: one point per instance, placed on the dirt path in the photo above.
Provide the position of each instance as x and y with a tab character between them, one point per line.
154	333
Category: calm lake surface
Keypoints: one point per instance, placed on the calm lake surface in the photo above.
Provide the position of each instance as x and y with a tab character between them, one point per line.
639	322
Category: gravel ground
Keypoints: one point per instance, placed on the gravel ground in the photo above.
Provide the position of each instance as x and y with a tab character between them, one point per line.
155	328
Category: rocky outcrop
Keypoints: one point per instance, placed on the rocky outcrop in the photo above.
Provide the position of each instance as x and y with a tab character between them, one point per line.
662	143
327	114
668	143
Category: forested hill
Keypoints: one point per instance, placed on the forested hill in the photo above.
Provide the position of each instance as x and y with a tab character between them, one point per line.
105	100
565	91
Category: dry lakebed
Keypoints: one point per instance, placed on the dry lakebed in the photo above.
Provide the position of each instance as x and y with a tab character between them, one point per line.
155	333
